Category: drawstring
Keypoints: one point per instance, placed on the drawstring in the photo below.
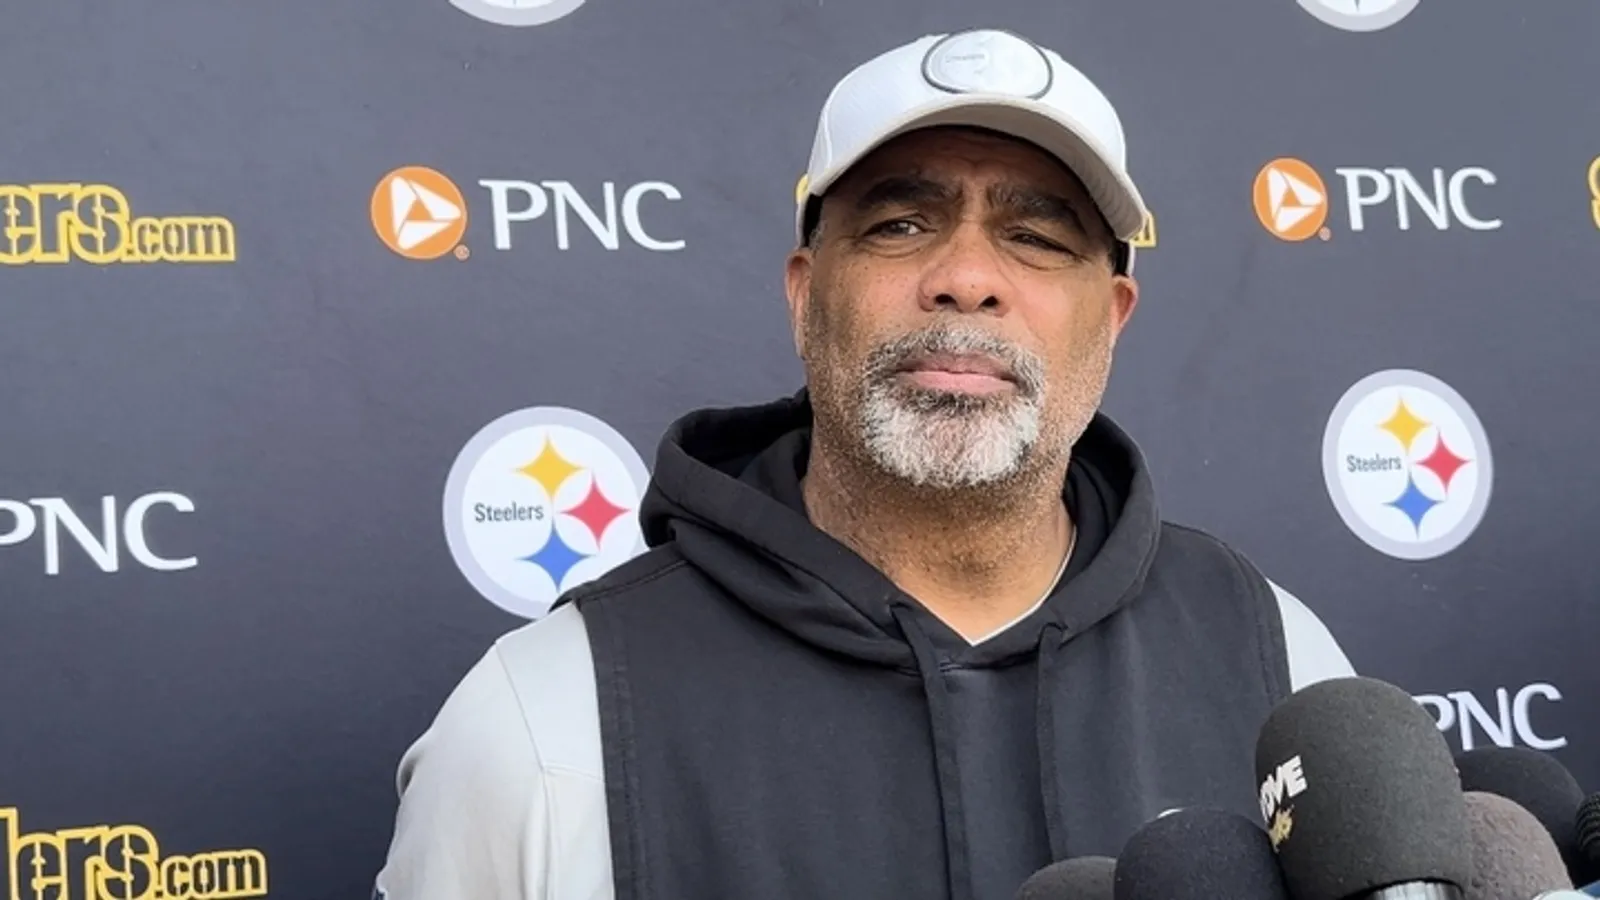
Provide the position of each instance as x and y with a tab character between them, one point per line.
1051	640
958	870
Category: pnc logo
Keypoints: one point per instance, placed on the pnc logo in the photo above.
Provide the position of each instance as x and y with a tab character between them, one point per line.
1293	202
1508	724
94	223
119	527
1290	199
419	213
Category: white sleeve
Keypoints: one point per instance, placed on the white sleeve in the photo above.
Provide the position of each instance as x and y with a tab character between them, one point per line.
503	797
472	821
1313	653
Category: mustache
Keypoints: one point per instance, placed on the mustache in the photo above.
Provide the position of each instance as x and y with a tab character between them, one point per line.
1024	368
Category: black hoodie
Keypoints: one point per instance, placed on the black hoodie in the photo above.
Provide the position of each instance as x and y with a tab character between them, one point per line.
779	720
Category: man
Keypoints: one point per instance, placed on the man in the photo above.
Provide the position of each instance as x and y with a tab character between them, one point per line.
919	630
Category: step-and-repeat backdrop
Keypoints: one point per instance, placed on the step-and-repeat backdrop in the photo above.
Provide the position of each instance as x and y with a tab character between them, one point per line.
337	337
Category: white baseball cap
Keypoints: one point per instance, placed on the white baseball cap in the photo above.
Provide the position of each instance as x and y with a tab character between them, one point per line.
986	78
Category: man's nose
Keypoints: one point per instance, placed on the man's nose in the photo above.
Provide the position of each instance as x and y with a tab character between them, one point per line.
967	275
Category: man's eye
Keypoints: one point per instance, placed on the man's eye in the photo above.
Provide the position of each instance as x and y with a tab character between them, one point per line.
896	228
1034	240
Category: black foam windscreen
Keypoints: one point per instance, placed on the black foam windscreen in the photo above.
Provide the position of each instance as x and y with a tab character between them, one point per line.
1537	782
1079	878
1359	792
1199	854
1588	823
1513	855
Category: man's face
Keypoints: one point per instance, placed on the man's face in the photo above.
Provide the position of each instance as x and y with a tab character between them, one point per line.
957	312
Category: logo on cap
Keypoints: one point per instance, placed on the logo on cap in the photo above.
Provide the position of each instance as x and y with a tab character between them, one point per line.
988	62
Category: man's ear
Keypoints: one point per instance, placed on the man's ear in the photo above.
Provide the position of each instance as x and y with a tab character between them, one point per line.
797	287
1124	298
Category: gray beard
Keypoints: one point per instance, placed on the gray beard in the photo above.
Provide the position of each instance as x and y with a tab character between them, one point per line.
947	441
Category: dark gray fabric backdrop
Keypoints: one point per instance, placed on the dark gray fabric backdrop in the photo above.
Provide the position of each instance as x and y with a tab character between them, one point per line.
278	464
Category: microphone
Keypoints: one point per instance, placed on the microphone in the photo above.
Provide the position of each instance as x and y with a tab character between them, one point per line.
1513	855
1199	854
1588	824
1080	878
1360	796
1537	782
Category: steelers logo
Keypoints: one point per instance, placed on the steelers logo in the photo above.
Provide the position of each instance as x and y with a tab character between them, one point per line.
1407	464
540	501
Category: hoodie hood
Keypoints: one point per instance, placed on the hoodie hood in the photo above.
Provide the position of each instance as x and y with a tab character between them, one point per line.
717	492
